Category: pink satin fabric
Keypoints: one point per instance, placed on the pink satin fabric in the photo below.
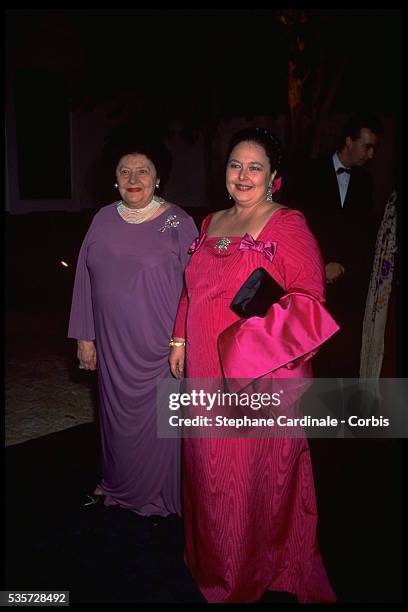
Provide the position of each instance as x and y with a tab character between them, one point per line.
287	336
268	249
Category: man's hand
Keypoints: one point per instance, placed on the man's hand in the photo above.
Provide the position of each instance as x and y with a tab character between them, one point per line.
333	272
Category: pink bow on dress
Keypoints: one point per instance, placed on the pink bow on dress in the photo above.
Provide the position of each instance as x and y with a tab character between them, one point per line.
268	249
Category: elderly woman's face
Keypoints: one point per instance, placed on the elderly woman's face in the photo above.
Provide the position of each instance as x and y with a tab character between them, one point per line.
136	177
248	173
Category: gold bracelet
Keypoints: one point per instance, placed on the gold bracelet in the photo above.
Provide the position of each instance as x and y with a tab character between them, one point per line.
177	342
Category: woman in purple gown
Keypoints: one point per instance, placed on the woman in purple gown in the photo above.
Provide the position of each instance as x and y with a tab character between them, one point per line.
127	287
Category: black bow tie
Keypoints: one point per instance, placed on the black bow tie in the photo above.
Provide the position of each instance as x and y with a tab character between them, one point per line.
341	170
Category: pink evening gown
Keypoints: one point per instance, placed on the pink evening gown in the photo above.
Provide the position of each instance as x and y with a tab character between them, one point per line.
249	504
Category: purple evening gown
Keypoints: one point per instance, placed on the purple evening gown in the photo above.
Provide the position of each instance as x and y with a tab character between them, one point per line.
126	292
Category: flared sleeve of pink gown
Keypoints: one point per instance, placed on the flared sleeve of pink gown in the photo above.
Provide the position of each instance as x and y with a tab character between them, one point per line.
296	325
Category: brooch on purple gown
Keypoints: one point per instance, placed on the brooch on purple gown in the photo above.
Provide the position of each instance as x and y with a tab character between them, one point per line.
171	221
268	249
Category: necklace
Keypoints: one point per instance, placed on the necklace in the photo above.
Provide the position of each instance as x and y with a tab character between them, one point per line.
138	215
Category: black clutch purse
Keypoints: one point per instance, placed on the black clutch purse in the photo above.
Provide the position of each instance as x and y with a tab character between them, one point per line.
256	295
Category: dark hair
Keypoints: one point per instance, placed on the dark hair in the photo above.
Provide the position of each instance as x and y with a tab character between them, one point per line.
264	138
357	122
151	148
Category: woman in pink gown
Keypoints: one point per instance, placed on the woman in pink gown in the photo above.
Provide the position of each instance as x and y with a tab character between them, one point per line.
249	504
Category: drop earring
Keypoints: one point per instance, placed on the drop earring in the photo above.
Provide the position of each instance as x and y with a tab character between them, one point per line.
116	185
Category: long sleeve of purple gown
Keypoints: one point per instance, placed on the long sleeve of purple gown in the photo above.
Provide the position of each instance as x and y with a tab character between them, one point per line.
81	322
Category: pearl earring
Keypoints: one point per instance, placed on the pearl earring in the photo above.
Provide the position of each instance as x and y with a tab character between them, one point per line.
116	185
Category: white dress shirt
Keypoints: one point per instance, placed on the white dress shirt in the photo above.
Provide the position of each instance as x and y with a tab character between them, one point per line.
342	179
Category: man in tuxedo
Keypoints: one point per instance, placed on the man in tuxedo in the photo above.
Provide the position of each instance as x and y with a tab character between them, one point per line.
336	198
338	204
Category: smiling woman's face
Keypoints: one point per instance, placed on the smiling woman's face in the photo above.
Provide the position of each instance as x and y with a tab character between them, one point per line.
136	177
248	173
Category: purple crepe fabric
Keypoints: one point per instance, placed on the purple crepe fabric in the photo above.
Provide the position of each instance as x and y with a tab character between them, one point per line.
127	287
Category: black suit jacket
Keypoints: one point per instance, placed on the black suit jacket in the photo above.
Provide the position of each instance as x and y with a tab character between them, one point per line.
346	234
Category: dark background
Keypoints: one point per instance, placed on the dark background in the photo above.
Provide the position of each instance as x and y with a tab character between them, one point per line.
203	67
189	61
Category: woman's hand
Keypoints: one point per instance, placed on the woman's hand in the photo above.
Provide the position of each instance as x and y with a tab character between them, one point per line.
86	354
176	360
